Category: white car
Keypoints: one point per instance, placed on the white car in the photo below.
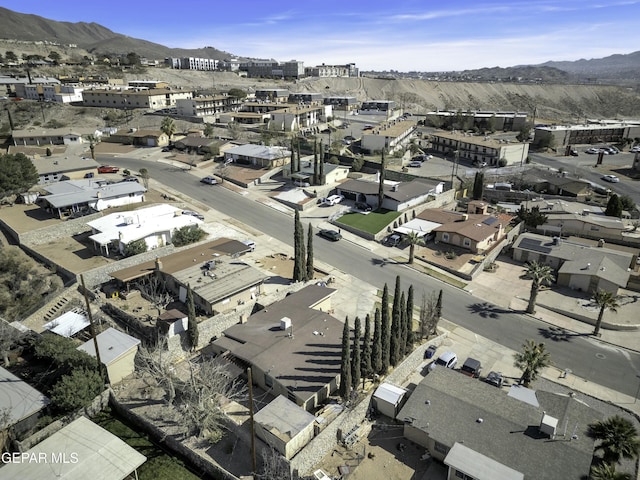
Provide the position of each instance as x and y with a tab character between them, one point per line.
209	180
610	178
334	199
446	360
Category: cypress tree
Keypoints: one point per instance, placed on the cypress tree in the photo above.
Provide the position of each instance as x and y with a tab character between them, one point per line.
478	186
376	348
192	322
402	344
355	362
298	154
294	168
614	207
345	366
409	310
365	370
385	329
309	269
438	309
321	177
299	267
381	183
394	349
315	163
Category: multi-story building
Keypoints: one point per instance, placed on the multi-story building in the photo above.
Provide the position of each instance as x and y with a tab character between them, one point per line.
484	120
305	98
152	99
593	133
388	136
206	106
272	68
324	71
378	106
479	149
342	103
193	63
277	95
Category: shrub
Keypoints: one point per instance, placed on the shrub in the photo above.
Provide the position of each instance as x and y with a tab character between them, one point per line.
187	235
76	390
135	247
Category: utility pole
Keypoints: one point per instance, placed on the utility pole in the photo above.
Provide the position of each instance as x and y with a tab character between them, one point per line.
93	328
253	431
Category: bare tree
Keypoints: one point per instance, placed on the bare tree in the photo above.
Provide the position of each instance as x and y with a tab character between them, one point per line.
429	314
154	289
202	398
158	364
274	466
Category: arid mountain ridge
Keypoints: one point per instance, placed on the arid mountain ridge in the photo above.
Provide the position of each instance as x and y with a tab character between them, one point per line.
564	97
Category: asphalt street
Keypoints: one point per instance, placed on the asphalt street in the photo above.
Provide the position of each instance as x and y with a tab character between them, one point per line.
607	365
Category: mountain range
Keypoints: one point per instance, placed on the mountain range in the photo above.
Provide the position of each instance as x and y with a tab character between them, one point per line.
96	39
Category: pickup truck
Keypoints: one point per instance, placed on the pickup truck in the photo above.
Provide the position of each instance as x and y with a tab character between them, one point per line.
471	367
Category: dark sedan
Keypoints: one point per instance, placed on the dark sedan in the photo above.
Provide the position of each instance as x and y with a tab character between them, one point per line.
332	235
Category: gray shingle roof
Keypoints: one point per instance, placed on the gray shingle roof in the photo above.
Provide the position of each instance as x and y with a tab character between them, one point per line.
508	428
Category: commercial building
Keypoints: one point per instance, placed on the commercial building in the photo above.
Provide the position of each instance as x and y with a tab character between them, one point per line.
328	71
150	99
477	119
603	132
479	148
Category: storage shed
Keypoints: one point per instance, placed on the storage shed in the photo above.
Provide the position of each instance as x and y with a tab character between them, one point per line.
117	352
388	399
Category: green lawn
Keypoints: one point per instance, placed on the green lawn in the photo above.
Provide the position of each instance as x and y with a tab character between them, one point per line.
371	223
159	465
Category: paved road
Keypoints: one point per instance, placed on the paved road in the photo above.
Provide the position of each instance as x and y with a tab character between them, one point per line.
583	167
609	366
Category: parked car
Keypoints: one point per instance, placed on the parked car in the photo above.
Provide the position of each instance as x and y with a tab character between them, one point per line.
480	164
199	216
574	153
635	149
209	180
471	367
392	240
130	179
88	175
365	207
495	379
430	351
250	243
332	235
592	150
447	360
108	169
415	163
610	178
334	199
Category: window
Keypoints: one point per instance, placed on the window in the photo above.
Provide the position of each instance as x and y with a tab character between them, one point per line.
268	381
466	242
464	476
445	237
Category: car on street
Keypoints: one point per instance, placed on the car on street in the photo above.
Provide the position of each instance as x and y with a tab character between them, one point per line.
447	359
199	216
479	164
209	180
592	150
367	127
495	378
610	178
415	163
334	199
332	235
365	207
635	149
574	153
108	169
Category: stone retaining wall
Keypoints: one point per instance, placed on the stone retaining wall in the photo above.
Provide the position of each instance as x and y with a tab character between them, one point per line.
65	229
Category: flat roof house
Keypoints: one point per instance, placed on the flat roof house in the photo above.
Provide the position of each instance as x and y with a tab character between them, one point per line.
474	149
156	225
73	196
503	437
287	433
293	346
258	155
117	353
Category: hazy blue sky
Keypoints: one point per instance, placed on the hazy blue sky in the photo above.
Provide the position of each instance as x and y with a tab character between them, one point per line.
382	35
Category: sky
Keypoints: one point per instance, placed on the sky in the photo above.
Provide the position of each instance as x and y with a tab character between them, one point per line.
402	35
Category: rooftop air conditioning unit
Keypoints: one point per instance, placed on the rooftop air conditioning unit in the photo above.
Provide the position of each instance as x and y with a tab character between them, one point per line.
285	323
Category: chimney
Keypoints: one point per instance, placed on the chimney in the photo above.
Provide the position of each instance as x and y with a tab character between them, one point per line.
158	267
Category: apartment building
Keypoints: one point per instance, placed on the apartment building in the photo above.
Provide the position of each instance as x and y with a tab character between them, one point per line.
207	105
479	149
328	71
483	120
592	133
193	63
151	99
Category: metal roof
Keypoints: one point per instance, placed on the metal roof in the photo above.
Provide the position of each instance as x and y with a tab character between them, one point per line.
18	399
67	324
285	427
112	344
83	451
478	466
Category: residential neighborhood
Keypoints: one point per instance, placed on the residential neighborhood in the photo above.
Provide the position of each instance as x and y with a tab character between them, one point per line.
286	281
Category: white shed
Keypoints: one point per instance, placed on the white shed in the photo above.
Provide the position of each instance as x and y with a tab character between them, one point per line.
117	352
388	399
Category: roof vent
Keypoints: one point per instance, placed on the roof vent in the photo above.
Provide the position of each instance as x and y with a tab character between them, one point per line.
285	323
479	420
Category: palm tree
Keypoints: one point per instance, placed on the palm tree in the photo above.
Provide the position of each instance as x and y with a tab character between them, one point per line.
540	274
414	239
168	127
605	471
531	360
618	439
606	301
